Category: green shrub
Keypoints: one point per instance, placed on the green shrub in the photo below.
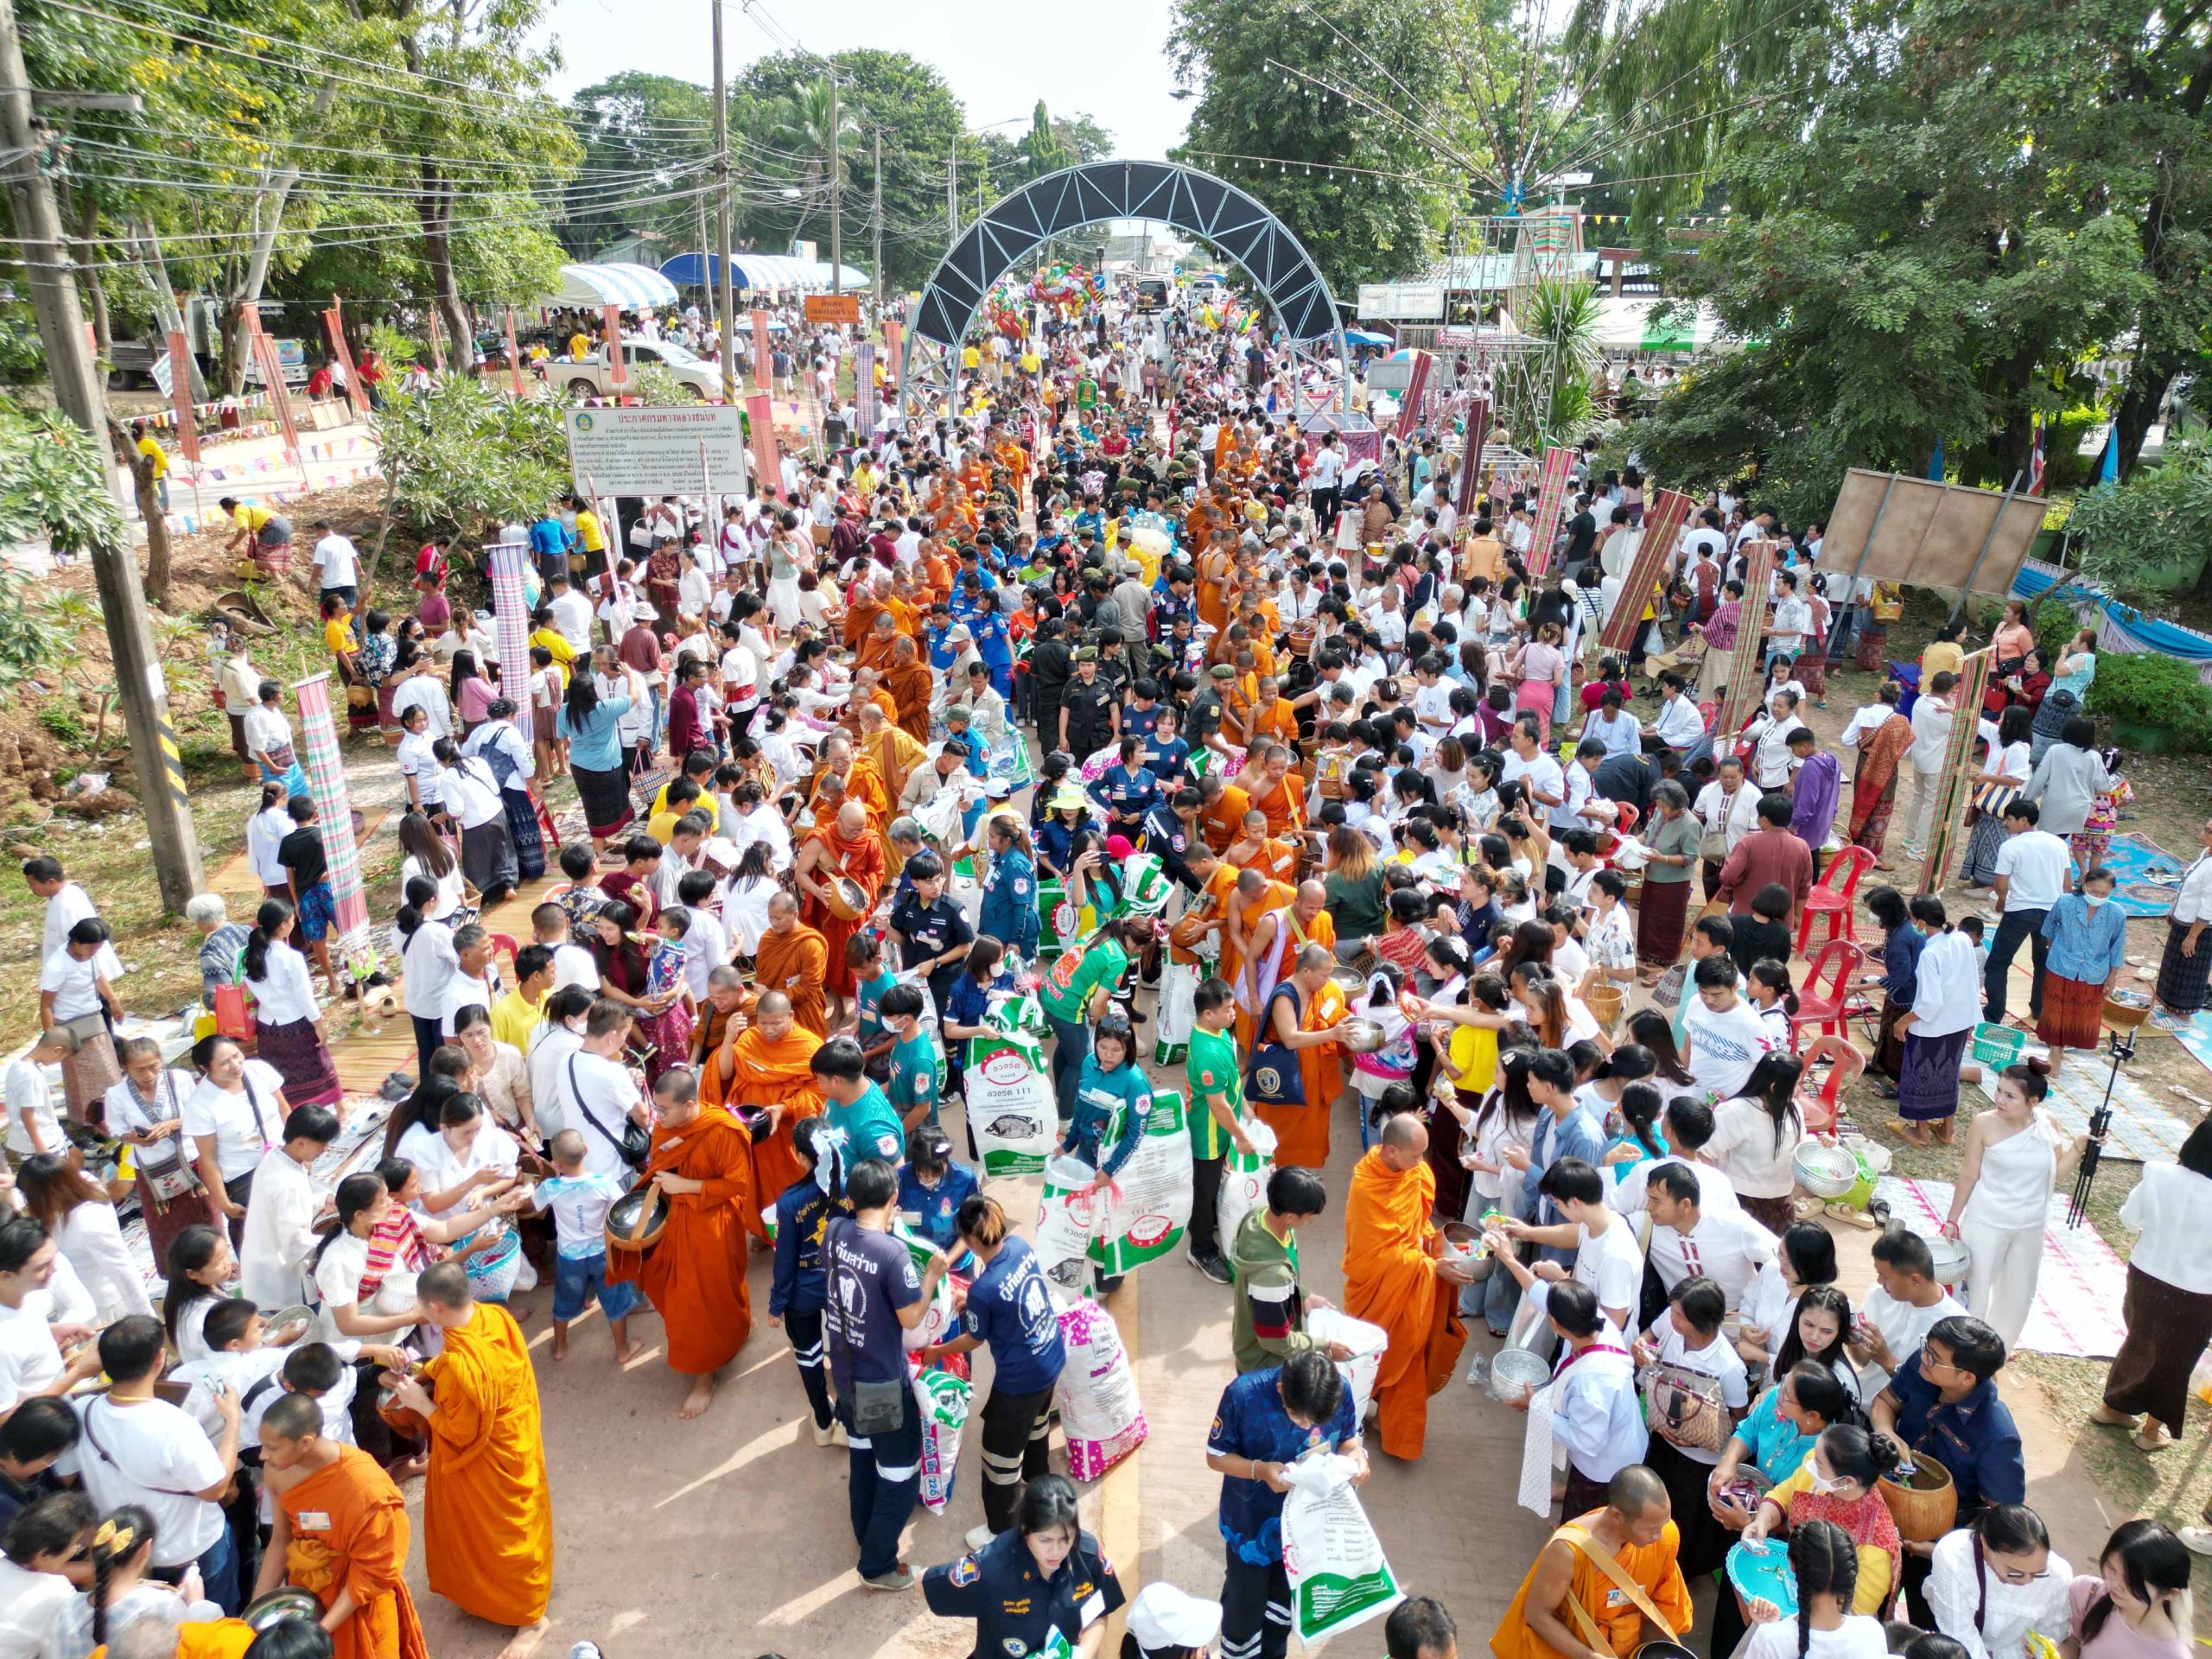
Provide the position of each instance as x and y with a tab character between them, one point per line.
62	719
2147	689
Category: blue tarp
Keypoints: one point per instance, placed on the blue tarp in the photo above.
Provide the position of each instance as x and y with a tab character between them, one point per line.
2144	632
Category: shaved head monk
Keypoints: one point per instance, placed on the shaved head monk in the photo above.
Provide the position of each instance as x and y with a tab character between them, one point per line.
846	846
1570	1605
701	1162
341	1534
772	1066
1393	1279
794	959
487	1517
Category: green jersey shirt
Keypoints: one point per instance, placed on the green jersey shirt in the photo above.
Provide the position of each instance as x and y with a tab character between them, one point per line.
1212	1070
1078	972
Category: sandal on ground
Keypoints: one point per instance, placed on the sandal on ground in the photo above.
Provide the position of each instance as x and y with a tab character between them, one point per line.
2144	1440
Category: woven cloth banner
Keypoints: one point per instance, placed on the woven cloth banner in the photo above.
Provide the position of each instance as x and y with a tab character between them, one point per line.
326	770
188	431
1551	497
764	361
767	467
1748	673
510	612
272	376
437	341
1662	528
357	395
864	385
1471	470
618	372
514	357
1416	389
1959	769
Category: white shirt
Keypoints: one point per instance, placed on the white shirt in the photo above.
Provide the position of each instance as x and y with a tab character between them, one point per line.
2009	1611
1869	718
414	760
1931	734
572	615
30	1603
29	1358
706	947
423	691
2171	1208
427	962
1730	818
266	730
463	992
244	1125
1746	1147
74	983
608	1093
338	1281
452	886
286	990
264	831
1859	1637
1726	1246
1718	1359
1713	1191
1610	1263
279	1232
31	1101
444	1168
1722	1047
573	965
336	557
471	791
549	1048
2038	861
1947	987
1595	1414
152	1453
1904	1327
2194	902
93	1240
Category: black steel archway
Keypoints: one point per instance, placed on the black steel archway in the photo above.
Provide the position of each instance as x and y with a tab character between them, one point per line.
1197	203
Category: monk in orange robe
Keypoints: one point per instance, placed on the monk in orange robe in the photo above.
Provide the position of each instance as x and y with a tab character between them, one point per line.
341	1532
770	1064
860	612
1393	1279
723	1015
1213	586
1251	929
874	651
221	1638
1569	1604
937	572
891	749
1221	820
843	845
701	1162
856	775
1274	721
487	1516
1302	1133
1280	797
1256	849
794	959
911	685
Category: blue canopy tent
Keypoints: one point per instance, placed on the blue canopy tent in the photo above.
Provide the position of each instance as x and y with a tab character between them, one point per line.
759	272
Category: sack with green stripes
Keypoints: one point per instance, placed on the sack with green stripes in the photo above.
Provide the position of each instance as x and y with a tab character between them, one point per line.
1339	1577
1152	1205
1009	1092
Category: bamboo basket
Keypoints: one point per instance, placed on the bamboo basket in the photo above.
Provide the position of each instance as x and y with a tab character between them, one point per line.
1925	1510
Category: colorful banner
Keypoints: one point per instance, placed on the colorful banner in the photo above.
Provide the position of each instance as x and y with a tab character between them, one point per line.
1956	786
1416	389
1747	676
506	562
764	361
864	388
618	372
1551	497
1470	468
1663	529
894	332
188	431
514	357
437	344
326	770
767	467
333	322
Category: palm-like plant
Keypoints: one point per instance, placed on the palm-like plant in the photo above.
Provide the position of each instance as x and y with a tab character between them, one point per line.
1564	313
806	126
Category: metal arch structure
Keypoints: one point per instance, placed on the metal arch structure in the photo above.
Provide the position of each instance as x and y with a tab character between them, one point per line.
1228	220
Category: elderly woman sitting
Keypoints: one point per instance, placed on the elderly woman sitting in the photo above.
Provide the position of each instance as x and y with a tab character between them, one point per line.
221	940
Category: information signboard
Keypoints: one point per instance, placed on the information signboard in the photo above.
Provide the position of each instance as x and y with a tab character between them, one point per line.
678	451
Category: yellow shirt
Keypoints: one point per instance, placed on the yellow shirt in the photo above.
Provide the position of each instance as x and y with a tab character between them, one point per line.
338	634
971	358
1873	1586
514	1017
579	347
246	516
1942	657
589	532
556	642
1031	363
154	452
706	803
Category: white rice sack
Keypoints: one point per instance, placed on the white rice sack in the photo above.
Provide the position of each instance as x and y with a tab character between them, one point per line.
1338	1578
1009	1105
1068	1219
1244	1179
1367	1341
1097	1394
1151	1205
1179	985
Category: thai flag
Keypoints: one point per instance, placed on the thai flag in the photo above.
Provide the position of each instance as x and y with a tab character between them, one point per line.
2036	460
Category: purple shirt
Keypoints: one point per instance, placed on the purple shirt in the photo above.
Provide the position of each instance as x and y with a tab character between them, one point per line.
1819	781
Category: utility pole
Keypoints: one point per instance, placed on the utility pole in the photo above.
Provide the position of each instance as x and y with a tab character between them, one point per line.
77	388
952	198
722	280
836	184
875	253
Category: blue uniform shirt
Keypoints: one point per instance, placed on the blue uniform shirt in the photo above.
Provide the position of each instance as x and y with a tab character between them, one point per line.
1015	1607
1009	913
1098	1095
1126	794
1010	1311
870	1127
1250	1422
1974	1438
1167	758
802	1211
938	1206
941	651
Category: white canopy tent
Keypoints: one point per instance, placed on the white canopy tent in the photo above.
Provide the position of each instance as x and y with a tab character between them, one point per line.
1628	323
635	287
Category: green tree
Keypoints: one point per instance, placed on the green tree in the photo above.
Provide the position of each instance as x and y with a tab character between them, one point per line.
1384	224
642	127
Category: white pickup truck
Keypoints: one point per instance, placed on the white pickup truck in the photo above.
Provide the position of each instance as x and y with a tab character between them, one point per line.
587	376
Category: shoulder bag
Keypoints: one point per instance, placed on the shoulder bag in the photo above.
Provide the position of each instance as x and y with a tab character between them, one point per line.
876	1407
1599	1557
1686	1407
635	1143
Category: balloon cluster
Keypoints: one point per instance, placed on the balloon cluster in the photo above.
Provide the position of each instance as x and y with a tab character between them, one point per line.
1066	289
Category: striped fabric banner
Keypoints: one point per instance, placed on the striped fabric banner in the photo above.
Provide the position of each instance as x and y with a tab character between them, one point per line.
1748	673
1662	528
763	362
1956	787
326	770
767	465
514	355
866	398
1416	389
187	430
1551	497
1470	466
618	372
510	609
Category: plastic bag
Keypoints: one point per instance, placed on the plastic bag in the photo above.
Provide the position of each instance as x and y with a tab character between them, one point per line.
1367	1341
1097	1394
1339	1577
1068	1216
940	1322
1244	1179
1152	1197
1009	1102
945	1398
1179	985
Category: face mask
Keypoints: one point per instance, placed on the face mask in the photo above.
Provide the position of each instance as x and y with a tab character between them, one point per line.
1829	1483
2092	899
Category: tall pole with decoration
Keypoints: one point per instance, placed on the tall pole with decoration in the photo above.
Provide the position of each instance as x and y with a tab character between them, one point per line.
326	770
1955	785
1551	500
508	563
1747	673
1662	528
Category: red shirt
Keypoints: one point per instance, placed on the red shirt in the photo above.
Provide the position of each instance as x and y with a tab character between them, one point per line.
1766	855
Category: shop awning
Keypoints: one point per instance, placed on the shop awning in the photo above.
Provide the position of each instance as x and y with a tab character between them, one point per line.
635	287
1626	323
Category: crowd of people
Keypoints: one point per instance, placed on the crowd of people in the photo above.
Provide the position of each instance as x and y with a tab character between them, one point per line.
1127	688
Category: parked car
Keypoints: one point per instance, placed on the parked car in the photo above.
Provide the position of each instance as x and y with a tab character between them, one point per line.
588	376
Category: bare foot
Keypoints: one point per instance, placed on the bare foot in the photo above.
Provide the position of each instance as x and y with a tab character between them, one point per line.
624	1353
524	1641
702	1390
409	1468
560	1347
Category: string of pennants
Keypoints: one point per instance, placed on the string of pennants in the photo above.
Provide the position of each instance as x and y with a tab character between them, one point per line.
192	523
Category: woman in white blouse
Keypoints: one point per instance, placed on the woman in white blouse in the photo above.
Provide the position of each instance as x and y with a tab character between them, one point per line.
1755	1140
146	1112
365	1272
286	1018
264	831
233	1118
2008	767
2169	1303
1990	1584
78	1216
499	1074
467	1154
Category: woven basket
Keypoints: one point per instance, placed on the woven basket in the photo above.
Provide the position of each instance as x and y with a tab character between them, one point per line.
1925	1510
1606	1004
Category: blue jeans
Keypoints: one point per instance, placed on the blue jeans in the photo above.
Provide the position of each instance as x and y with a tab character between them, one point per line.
2004	945
1071	1047
219	1573
885	1478
578	1280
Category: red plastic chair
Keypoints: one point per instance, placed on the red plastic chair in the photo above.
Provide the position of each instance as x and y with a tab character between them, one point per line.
1832	896
505	942
1836	966
1708	712
1819	1101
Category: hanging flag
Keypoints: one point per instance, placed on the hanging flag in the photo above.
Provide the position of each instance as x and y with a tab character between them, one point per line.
1935	464
2109	473
2036	460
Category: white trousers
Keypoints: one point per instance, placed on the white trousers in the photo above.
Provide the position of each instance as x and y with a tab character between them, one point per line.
2001	1282
1920	810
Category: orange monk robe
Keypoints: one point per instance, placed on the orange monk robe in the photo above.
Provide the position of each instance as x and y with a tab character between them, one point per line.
1390	1280
936	573
876	648
1284	803
487	1517
863	860
1213	588
763	1073
221	1638
347	1532
1275	722
1302	1132
863	783
907	619
694	1276
1277	897
910	688
1653	1568
1224	822
798	964
860	620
